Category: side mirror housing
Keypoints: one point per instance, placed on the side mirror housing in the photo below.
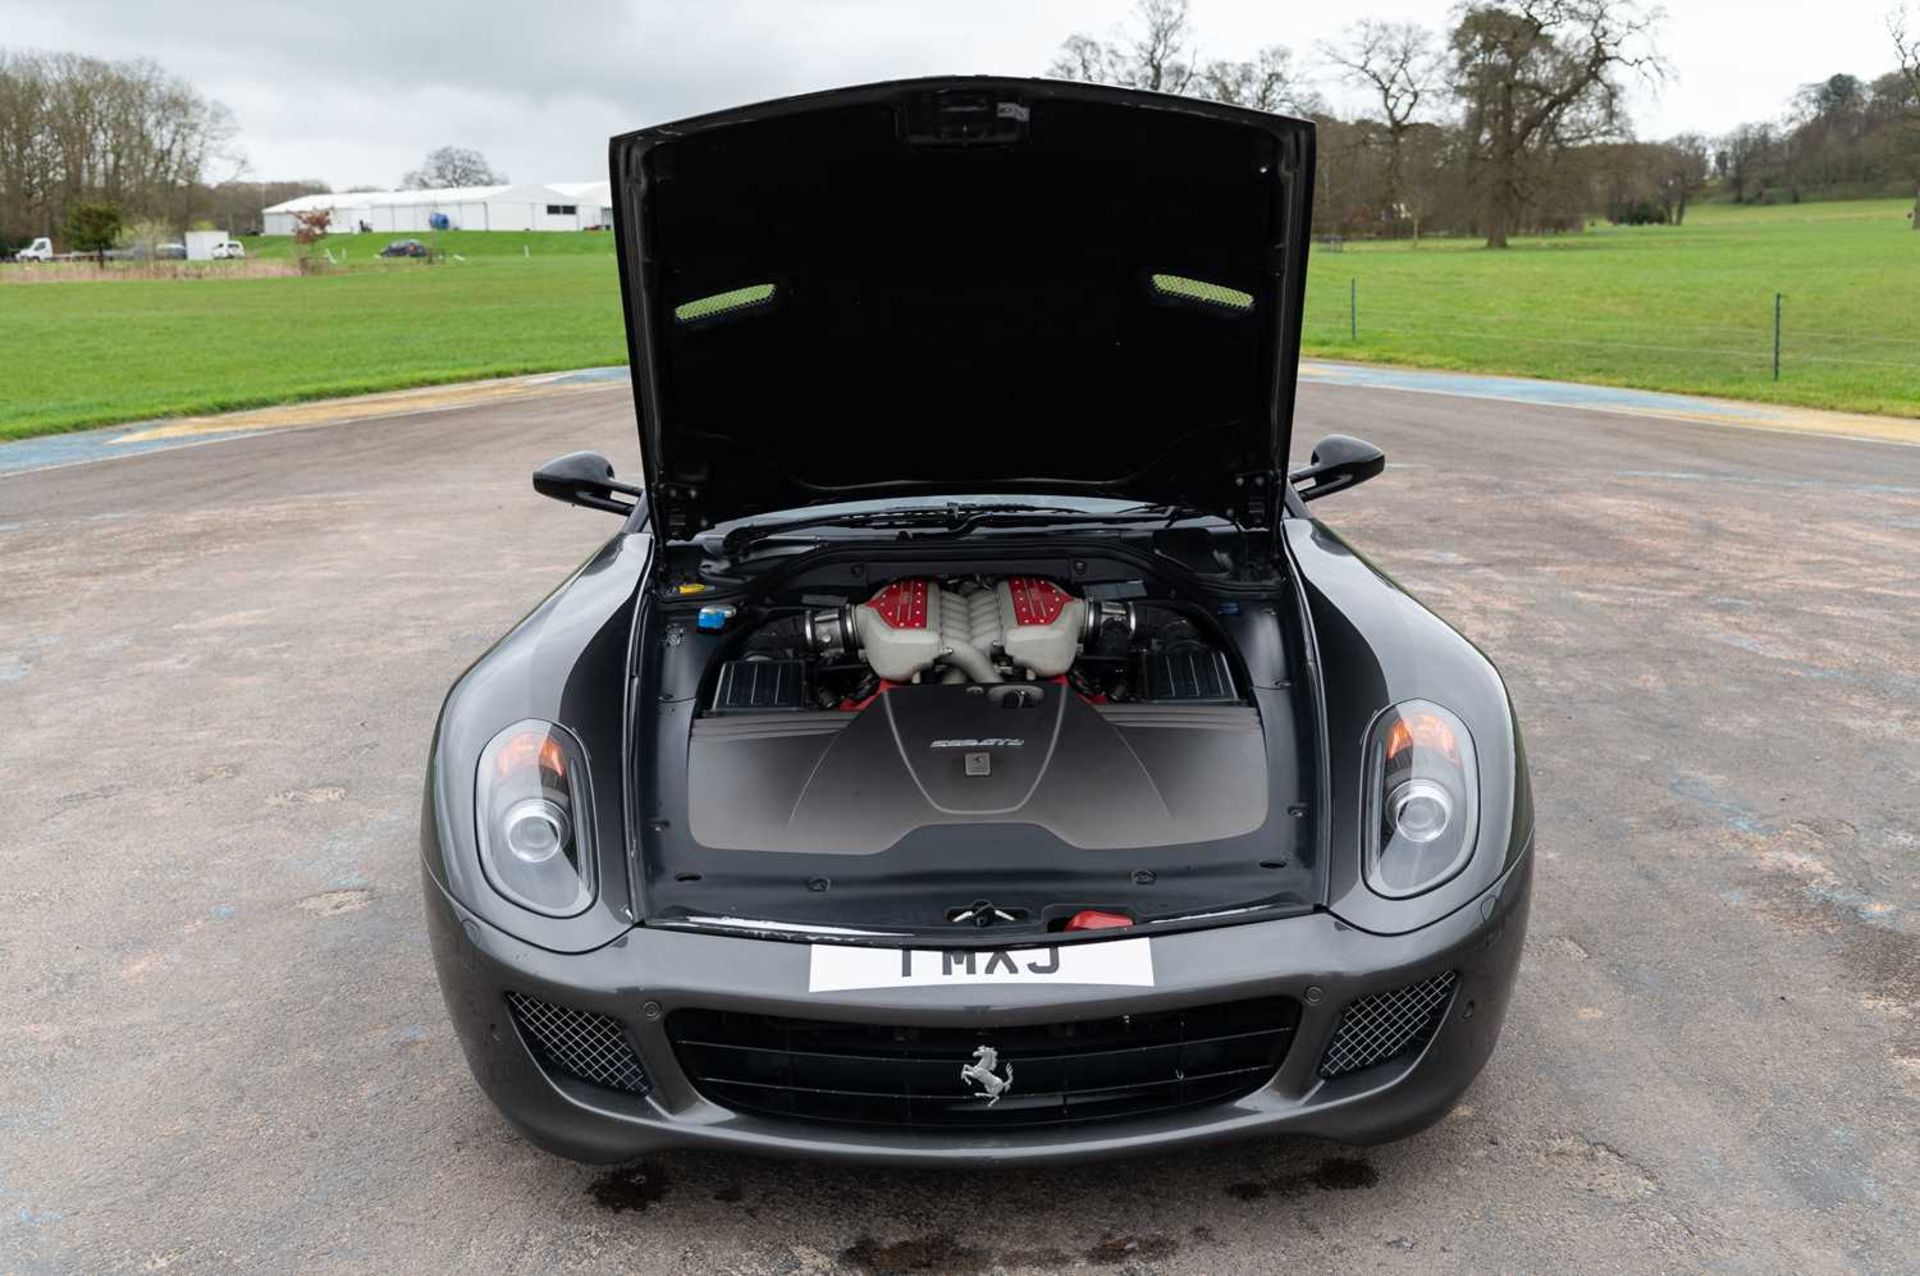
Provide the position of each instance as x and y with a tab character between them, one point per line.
585	478
1339	462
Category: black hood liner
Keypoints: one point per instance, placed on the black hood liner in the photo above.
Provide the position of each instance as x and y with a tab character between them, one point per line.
963	296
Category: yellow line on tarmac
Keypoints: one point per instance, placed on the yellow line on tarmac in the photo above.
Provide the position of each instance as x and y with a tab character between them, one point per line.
364	407
1739	413
1788	420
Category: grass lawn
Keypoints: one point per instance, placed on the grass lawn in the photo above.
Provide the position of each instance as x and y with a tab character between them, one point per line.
92	353
1673	308
1659	307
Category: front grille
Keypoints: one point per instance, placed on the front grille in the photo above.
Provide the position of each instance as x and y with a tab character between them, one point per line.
580	1043
1387	1024
1062	1073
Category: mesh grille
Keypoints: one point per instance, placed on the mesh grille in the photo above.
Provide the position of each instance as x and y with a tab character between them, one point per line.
1201	290
1057	1074
722	302
1387	1024
580	1043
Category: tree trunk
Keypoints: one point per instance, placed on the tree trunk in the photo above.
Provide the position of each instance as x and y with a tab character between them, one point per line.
1499	210
1913	219
1500	192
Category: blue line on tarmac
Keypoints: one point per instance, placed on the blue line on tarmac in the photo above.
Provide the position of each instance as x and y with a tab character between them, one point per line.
104	444
93	445
1562	394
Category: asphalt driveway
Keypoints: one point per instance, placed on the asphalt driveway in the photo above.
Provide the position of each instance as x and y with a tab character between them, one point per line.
224	1050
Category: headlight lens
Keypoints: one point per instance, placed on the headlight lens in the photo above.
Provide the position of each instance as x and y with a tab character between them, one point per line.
1422	799
535	819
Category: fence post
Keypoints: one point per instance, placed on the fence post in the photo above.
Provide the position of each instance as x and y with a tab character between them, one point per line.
1353	309
1776	336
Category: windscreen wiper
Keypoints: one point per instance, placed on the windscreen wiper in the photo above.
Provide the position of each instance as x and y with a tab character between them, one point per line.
1032	516
951	516
956	519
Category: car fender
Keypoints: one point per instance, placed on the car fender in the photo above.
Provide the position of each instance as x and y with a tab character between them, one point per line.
566	662
1376	645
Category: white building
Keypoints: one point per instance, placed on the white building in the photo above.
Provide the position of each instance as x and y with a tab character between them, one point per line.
527	206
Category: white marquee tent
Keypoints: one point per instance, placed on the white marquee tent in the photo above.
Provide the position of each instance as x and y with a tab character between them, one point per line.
527	206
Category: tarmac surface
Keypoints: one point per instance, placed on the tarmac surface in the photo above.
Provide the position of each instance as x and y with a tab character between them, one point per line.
224	1050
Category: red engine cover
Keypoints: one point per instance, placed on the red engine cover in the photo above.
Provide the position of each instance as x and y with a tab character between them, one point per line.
1036	601
902	604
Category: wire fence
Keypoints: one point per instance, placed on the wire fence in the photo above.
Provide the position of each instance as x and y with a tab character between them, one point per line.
1767	347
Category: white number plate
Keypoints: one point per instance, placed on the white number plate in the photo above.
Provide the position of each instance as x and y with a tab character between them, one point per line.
842	968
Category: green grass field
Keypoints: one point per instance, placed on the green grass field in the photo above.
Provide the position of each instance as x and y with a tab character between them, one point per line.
1672	308
1685	308
92	353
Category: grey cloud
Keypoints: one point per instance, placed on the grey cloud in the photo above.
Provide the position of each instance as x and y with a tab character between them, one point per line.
358	90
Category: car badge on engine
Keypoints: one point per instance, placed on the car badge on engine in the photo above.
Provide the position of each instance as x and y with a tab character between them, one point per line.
981	1073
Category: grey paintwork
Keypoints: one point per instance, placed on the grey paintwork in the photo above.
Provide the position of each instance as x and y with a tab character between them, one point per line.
568	655
640	978
602	657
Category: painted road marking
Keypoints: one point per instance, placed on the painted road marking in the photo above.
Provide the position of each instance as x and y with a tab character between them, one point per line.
55	451
1779	418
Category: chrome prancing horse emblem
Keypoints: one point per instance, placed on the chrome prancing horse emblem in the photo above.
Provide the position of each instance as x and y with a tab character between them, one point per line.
981	1073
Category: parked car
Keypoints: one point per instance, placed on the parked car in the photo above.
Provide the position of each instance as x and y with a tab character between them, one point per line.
404	248
1016	771
170	252
229	250
40	249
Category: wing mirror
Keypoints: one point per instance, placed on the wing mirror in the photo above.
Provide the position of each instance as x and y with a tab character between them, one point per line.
584	478
1339	462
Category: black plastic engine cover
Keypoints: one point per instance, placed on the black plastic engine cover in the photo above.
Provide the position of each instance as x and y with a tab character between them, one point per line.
1095	777
761	685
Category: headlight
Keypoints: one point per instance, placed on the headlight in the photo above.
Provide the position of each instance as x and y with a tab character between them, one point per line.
535	819
1423	801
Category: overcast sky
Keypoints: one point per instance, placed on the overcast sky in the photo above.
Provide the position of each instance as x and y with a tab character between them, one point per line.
354	92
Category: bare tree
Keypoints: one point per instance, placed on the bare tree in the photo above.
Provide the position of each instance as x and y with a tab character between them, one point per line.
79	130
1267	82
1906	46
453	166
1157	54
1400	64
1680	171
1535	77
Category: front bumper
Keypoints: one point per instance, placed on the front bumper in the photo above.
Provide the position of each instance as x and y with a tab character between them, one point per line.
646	974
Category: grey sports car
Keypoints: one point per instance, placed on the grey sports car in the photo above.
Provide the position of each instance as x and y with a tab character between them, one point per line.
969	748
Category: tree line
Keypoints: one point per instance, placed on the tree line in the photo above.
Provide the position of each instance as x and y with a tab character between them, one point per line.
1513	120
93	152
76	131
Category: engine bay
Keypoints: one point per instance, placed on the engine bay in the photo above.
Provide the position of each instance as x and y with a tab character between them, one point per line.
914	738
976	631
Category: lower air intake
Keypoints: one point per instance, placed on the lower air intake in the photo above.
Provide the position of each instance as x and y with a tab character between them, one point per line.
591	1047
1387	1024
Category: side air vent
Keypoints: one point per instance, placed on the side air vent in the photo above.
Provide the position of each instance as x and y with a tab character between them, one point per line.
1199	291
724	303
1387	1024
580	1043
